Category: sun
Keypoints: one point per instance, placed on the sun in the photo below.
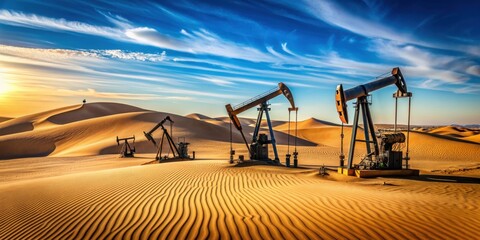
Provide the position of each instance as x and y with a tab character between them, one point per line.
5	84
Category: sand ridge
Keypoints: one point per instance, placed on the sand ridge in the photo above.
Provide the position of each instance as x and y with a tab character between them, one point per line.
212	199
455	132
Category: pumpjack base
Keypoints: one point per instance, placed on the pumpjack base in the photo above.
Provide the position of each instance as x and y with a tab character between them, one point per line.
269	161
378	173
386	173
345	171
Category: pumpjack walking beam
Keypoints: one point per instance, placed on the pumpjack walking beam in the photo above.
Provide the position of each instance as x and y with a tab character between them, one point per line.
261	101
361	92
165	134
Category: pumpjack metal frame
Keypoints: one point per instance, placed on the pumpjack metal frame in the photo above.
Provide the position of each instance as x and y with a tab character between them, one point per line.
126	150
361	93
165	134
264	109
261	101
368	127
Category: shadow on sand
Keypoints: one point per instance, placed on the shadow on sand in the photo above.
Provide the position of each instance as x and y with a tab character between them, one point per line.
443	178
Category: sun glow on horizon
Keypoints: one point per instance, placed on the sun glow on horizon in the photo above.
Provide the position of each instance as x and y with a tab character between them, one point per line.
6	84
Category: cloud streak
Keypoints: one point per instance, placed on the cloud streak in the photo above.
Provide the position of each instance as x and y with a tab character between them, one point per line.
41	22
104	95
196	42
373	26
203	42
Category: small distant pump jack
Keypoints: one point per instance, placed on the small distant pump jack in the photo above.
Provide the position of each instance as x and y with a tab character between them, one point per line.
387	154
181	152
258	148
126	150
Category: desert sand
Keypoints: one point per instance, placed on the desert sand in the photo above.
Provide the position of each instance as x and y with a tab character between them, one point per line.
61	177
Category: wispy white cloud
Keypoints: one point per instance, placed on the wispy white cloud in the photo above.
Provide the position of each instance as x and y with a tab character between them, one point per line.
117	20
474	70
67	53
332	13
285	48
57	67
217	81
432	84
275	53
205	42
192	93
371	24
104	95
411	54
41	22
197	42
152	37
425	64
285	65
138	56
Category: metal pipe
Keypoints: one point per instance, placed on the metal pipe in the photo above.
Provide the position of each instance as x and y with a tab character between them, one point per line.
296	128
343	96
396	106
282	89
288	135
363	90
408	131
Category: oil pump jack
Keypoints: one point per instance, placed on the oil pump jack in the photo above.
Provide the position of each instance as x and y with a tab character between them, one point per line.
386	153
258	148
126	150
181	152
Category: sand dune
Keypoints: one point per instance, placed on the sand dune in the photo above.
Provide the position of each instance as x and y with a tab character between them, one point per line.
92	110
211	199
454	131
306	124
3	119
457	132
77	193
92	129
26	123
474	138
198	116
207	119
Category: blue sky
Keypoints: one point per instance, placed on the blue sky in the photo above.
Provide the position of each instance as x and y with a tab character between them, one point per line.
185	56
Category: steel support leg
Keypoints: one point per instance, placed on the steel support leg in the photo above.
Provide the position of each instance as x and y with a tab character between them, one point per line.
272	136
372	129
364	105
354	135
